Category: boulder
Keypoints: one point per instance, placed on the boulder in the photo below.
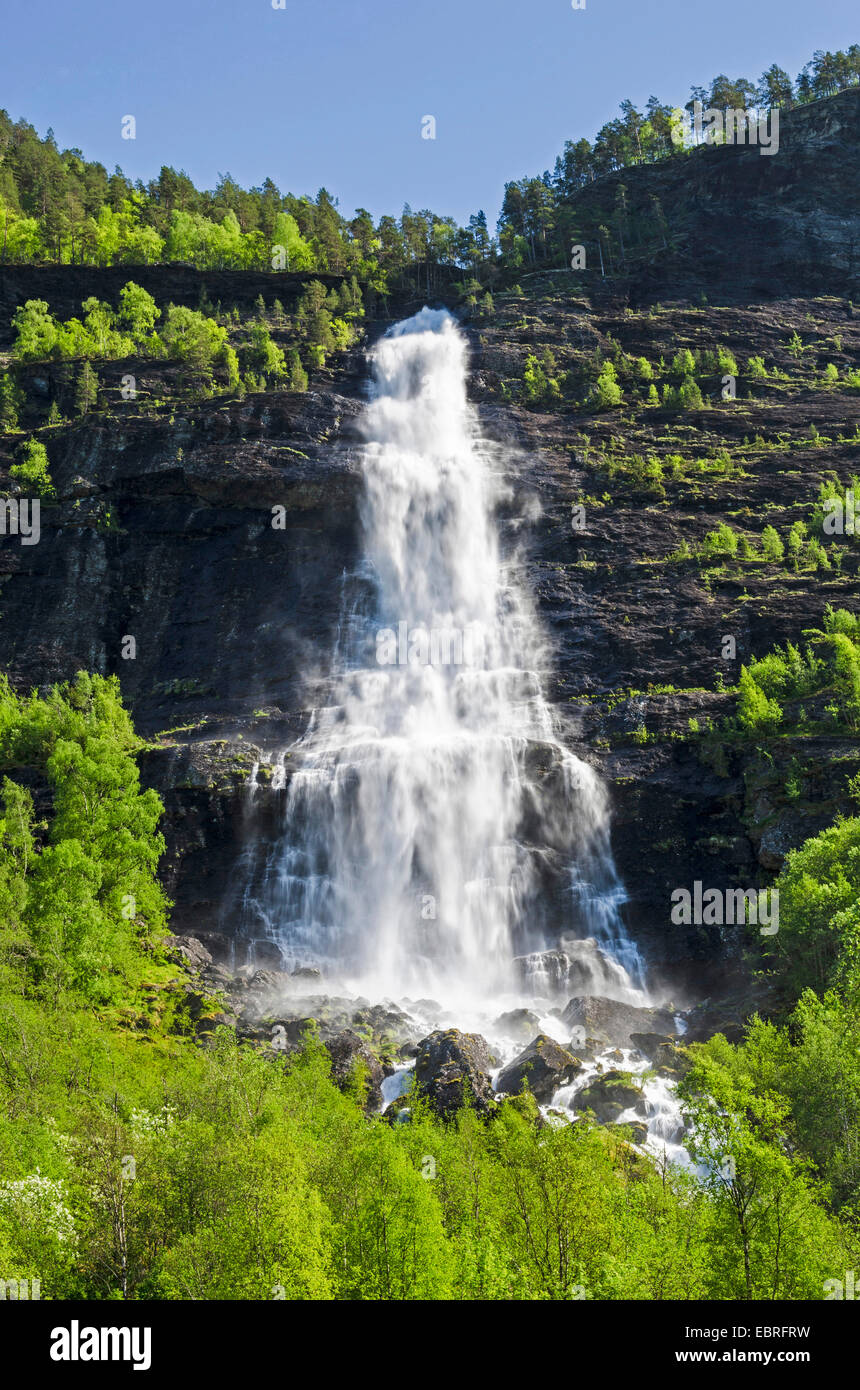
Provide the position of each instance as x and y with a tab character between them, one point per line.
637	1130
610	1095
208	1023
284	1034
452	1069
190	952
267	954
518	1023
399	1112
608	1021
663	1053
387	1023
650	1044
346	1049
672	1062
545	1066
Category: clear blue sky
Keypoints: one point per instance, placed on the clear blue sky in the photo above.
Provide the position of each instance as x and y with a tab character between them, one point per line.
332	92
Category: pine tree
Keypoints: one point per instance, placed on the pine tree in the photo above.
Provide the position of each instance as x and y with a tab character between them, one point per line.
297	377
11	400
86	389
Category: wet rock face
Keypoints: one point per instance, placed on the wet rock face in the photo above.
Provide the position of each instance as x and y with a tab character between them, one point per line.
577	967
544	1066
452	1069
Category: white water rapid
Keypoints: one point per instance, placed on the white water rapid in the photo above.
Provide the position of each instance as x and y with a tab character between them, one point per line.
437	834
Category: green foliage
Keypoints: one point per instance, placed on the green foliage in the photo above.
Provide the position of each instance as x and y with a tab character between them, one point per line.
772	547
722	361
262	355
818	943
314	321
606	393
686	396
32	471
101	333
191	337
796	541
297	377
768	1235
683	363
11	403
755	712
721	543
257	1178
829	662
832	506
138	311
539	381
35	331
91	894
86	389
820	1075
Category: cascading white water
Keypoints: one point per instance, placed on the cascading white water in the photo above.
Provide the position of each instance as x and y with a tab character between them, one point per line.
435	825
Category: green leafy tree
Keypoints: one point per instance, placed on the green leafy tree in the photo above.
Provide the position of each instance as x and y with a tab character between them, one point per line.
35	331
768	1237
32	471
683	363
261	354
138	311
606	393
796	542
720	543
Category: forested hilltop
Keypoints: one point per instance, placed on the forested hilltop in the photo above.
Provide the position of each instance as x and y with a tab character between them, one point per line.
58	207
685	418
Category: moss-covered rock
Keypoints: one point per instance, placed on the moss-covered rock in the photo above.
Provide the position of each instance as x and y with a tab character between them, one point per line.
609	1095
544	1066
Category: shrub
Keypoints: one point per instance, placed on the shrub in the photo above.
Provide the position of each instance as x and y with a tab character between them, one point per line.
32	471
606	393
772	547
755	712
721	542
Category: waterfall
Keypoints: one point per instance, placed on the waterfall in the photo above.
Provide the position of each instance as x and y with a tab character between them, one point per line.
435	826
